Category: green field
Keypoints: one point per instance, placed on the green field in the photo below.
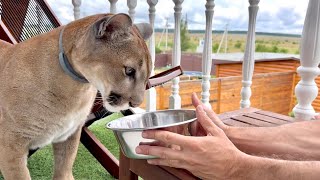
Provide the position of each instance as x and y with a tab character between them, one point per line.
237	43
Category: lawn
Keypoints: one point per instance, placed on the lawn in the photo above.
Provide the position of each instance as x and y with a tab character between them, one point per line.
86	166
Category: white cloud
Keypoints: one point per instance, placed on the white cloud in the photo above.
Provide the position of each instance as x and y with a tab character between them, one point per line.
284	16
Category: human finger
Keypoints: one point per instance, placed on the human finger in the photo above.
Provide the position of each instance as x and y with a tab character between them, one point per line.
159	143
167	137
160	152
195	100
154	143
206	122
212	115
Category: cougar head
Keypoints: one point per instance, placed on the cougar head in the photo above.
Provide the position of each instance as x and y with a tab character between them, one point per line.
117	60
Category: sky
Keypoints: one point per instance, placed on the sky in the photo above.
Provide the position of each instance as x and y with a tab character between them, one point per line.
274	16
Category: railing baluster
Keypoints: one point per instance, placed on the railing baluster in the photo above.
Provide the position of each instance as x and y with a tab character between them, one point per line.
306	90
76	8
132	5
113	6
206	55
248	60
175	99
151	93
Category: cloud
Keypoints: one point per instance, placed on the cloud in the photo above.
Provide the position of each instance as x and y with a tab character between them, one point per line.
282	16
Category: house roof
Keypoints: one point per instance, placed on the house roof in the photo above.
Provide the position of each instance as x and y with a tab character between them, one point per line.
231	58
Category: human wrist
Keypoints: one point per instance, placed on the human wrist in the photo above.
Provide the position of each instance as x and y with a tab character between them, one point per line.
241	166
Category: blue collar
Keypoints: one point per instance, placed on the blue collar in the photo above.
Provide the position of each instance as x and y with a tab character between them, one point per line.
65	64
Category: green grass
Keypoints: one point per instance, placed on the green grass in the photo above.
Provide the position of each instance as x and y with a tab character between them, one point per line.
86	166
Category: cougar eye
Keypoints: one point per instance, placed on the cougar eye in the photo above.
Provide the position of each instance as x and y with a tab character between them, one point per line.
130	71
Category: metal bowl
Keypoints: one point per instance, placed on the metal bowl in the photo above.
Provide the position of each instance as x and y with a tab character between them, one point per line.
128	129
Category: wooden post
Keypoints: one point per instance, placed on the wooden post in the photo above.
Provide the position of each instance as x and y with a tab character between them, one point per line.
175	99
113	6
248	60
151	104
76	8
132	5
124	169
206	55
306	90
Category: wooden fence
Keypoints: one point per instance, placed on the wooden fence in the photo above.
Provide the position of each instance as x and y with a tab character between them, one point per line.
271	66
260	66
271	91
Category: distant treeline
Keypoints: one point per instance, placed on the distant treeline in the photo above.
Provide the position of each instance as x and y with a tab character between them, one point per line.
234	32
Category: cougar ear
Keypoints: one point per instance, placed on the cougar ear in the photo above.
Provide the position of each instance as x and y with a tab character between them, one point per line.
112	27
145	30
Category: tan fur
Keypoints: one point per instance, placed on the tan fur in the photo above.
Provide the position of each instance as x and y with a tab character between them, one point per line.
40	104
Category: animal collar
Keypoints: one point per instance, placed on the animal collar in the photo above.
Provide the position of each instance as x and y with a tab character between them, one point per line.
65	64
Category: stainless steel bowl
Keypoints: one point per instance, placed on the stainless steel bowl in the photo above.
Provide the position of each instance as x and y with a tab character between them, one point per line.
128	129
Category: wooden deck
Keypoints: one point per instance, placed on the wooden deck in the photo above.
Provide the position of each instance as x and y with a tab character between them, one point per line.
130	169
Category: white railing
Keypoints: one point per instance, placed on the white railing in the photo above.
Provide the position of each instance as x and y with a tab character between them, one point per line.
206	55
248	60
151	104
306	90
76	8
132	4
113	6
175	99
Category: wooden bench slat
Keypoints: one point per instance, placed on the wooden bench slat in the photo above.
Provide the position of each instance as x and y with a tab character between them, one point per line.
275	115
232	122
266	118
252	121
151	172
239	112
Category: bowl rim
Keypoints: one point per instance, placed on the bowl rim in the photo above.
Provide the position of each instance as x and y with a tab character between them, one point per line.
154	127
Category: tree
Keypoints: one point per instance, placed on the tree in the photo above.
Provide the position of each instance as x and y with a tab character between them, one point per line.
184	38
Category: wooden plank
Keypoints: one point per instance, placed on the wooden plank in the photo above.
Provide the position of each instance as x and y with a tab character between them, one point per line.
256	122
180	173
100	152
232	122
276	115
124	169
266	118
150	172
6	35
239	112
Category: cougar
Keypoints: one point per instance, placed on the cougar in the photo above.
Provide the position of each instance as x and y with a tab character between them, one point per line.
48	85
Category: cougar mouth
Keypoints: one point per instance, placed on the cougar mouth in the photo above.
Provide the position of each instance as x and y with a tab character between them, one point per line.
115	102
114	99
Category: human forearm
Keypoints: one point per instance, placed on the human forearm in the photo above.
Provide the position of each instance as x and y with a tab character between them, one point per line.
299	141
265	168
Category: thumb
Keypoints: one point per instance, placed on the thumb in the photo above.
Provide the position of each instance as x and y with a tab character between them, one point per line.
206	122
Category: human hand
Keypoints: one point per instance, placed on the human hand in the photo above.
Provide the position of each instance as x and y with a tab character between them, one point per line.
212	156
195	128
